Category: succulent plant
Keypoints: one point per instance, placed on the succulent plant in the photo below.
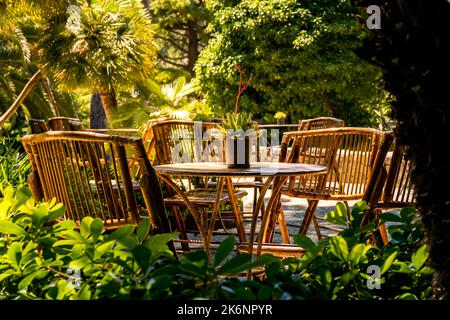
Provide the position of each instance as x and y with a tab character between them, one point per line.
237	124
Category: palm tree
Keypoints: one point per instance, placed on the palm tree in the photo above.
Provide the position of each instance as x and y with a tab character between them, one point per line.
176	100
111	47
19	22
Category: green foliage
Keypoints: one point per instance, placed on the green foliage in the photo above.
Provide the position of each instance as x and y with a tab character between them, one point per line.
41	258
301	54
111	47
149	100
180	35
14	165
237	124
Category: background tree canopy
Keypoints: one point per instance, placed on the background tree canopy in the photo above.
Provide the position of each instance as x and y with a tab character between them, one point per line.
301	54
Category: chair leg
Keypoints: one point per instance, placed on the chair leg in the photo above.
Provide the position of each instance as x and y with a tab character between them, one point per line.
283	227
317	227
180	227
309	215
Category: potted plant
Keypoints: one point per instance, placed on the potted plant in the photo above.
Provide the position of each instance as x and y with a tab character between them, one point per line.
237	129
280	117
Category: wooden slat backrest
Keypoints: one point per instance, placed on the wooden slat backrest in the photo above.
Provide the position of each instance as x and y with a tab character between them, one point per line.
348	153
398	190
321	123
186	141
89	173
65	124
38	126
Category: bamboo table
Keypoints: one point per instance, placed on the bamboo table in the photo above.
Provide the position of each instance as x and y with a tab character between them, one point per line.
269	170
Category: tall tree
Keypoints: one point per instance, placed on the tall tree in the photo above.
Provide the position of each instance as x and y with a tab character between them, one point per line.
301	56
413	49
110	45
98	46
181	31
20	75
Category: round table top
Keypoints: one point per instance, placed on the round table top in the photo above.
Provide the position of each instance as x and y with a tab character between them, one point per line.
219	169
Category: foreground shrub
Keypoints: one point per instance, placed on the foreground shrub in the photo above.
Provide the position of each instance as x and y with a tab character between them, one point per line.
44	259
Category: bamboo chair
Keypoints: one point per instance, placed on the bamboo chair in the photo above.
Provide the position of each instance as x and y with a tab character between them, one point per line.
321	123
65	124
186	141
79	169
38	126
349	155
390	186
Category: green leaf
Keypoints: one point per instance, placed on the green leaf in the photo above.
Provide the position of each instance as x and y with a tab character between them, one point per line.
339	216
158	243
25	282
128	241
84	293
388	262
70	242
15	253
407	214
85	226
236	264
419	257
193	269
338	247
401	267
406	296
40	215
96	228
6	274
347	277
56	212
120	233
9	227
143	229
304	241
356	253
390	217
142	256
224	250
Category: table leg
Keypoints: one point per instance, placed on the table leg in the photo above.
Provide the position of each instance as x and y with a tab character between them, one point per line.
267	214
235	210
214	214
191	208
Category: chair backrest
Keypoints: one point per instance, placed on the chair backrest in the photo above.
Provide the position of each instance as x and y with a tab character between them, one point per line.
186	141
89	173
391	185
348	153
38	126
321	123
65	124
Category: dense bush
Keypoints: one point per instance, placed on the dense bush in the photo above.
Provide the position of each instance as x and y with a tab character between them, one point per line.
41	259
14	164
301	54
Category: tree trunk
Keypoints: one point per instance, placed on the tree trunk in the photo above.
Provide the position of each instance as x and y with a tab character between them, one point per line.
413	47
51	97
193	51
109	102
97	114
146	4
25	91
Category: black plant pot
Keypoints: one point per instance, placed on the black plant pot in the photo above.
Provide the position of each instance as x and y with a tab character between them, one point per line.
237	151
281	121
